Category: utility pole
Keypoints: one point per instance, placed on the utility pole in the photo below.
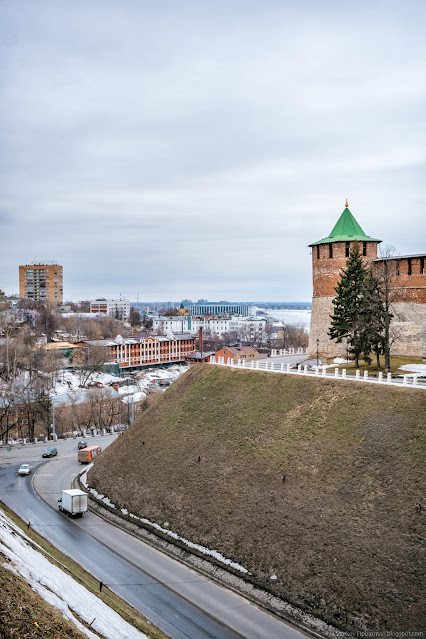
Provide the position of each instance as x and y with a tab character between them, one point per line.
53	421
317	351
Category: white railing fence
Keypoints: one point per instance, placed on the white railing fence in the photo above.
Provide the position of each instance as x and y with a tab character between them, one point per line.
405	381
277	352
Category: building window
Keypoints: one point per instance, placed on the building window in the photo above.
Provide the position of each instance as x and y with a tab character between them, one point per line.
409	266
330	250
348	248
397	267
317	251
364	248
422	266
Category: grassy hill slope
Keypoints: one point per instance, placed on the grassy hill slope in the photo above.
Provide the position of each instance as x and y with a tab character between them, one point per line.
341	532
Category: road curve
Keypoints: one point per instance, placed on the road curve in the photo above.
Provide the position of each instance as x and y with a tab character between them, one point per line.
183	603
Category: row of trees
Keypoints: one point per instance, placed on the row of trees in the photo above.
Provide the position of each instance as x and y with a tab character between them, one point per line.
291	336
362	310
28	372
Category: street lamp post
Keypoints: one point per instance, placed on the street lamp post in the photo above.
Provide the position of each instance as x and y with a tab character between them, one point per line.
53	422
317	351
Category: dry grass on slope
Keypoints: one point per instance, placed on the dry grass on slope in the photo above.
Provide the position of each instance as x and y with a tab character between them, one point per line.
341	532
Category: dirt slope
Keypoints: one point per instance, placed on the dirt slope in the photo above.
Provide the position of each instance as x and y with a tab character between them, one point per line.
314	481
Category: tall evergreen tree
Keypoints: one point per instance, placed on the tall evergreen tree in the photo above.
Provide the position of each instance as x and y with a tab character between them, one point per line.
372	318
346	321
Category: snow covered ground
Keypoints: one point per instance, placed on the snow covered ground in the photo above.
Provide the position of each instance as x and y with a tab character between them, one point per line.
59	589
68	382
419	369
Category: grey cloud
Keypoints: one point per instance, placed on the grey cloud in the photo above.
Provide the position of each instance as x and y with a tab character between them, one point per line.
196	151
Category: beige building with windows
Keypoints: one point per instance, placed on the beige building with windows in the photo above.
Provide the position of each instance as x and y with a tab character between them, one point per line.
41	282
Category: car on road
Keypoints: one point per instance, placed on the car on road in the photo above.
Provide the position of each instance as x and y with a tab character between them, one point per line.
50	452
24	469
82	445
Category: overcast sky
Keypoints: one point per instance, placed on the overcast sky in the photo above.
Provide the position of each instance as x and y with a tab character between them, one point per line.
194	149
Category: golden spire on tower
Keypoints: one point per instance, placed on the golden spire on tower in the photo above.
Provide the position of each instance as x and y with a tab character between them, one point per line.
346	205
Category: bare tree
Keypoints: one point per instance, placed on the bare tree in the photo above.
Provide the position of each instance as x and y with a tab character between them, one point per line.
90	360
386	272
135	316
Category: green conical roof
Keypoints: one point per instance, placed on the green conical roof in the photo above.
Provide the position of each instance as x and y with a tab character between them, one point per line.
346	229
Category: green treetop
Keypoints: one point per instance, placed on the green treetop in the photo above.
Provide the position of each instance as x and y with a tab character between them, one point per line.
348	303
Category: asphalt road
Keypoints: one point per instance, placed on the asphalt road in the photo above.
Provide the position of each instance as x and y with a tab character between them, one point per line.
184	604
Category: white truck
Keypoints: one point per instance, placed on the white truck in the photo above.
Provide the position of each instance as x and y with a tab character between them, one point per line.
73	502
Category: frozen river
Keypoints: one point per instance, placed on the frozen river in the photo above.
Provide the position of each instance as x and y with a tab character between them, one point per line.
294	316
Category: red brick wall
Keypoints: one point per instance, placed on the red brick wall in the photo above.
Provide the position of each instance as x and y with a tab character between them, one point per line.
326	269
408	278
224	352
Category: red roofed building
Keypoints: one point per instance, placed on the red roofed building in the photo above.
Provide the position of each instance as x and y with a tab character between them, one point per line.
237	353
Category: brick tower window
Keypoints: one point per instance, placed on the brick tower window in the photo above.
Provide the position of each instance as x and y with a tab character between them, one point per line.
409	266
317	251
422	266
348	248
364	248
330	250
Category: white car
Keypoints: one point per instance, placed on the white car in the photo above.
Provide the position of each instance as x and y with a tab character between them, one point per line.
25	469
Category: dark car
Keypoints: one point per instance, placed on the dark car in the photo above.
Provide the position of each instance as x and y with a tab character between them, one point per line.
82	445
50	452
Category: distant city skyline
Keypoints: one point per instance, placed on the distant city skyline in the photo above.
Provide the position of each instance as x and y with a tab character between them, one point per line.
197	150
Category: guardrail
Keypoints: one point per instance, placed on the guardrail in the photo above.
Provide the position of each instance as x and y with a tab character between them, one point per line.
407	381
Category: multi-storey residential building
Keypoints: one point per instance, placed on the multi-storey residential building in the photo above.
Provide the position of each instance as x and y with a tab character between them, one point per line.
148	351
173	323
115	308
41	282
252	327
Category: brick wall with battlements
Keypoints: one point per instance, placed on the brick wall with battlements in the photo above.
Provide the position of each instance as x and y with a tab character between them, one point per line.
408	289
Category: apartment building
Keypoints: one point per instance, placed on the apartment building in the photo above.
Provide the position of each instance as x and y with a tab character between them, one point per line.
251	327
119	309
41	282
172	323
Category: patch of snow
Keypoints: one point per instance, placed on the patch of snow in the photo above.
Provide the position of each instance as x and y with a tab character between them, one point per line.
340	360
136	397
414	368
127	390
59	589
68	381
273	577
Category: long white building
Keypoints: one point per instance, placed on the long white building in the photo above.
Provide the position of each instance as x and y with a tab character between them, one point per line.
222	308
115	308
252	326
